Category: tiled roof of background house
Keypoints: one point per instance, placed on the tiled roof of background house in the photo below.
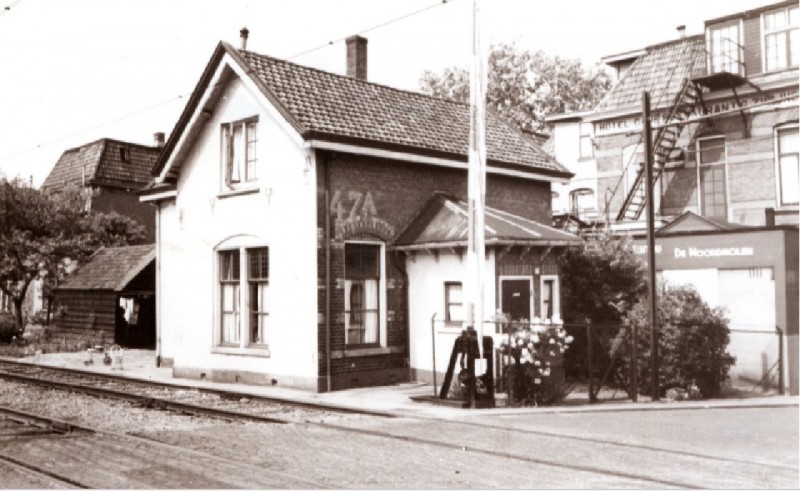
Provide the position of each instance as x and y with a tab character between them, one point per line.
326	104
661	71
110	268
102	163
443	223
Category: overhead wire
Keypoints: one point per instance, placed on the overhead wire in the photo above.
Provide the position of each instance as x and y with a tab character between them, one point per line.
181	96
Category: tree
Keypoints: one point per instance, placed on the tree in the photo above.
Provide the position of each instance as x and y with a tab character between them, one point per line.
42	235
601	281
524	87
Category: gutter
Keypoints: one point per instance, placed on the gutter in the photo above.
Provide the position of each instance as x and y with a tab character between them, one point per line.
327	161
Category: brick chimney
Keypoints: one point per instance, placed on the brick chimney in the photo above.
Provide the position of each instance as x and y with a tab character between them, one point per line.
158	139
357	57
243	33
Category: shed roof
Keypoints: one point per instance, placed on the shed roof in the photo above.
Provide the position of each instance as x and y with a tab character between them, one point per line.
326	106
443	222
111	268
661	71
102	163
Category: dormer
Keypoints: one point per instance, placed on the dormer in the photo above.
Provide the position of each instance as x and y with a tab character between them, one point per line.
753	42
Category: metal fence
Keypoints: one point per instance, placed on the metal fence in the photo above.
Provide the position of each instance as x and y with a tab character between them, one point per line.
602	362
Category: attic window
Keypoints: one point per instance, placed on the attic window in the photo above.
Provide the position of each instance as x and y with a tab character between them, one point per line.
124	154
238	141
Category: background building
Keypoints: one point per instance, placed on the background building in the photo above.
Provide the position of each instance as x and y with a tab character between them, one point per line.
725	138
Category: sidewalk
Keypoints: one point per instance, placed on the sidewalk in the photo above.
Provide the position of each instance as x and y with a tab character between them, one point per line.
394	399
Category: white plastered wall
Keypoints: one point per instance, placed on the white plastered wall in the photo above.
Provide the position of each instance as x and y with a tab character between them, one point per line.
280	215
426	278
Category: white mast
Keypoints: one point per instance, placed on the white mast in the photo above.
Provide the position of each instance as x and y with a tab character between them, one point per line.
476	189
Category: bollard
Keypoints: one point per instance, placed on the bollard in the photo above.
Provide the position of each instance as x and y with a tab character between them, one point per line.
116	357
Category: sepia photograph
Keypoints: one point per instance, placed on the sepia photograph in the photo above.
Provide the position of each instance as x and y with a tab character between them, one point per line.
399	244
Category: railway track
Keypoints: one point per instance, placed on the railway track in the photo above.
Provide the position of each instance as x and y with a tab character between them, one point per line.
449	436
214	403
55	453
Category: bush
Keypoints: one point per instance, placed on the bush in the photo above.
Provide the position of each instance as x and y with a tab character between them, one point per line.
693	340
8	328
536	378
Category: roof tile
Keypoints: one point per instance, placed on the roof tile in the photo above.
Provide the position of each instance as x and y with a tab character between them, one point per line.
108	268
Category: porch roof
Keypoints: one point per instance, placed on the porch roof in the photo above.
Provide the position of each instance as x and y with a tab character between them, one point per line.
443	223
111	268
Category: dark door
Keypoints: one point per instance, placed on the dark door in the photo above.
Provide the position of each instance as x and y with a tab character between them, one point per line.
516	295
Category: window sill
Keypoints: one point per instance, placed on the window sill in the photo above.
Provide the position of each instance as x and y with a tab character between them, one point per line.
238	192
354	352
237	350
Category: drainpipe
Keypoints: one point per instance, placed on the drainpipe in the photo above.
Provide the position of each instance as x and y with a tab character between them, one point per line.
400	266
327	161
158	284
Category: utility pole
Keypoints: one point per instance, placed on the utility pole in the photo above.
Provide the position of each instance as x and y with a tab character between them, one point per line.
651	246
476	189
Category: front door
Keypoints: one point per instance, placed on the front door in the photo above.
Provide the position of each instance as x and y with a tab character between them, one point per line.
516	298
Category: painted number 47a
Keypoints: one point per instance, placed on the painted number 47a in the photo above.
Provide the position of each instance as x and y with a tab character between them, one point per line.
353	205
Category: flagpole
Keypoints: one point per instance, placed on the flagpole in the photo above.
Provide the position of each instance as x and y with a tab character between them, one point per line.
476	188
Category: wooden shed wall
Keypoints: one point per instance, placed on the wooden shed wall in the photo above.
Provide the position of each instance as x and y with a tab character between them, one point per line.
88	316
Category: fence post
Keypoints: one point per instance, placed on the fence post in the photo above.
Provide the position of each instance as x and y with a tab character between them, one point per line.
589	360
433	350
781	390
634	369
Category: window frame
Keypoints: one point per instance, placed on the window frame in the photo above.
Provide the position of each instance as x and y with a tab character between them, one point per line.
699	175
556	300
260	311
726	65
778	168
229	147
584	134
787	29
450	322
381	307
242	346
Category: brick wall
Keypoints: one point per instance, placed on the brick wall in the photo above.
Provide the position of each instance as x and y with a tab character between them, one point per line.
376	199
750	156
84	317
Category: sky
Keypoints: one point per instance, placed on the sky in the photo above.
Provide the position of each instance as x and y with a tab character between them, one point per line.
74	71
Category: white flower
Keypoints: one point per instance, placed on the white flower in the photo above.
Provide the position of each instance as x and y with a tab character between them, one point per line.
538	381
537	363
569	339
552	341
552	353
535	338
546	372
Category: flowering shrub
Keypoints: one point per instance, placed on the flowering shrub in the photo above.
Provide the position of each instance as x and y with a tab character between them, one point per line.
537	350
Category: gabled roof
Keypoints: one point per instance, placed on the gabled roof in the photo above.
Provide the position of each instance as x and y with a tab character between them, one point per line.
328	107
443	223
101	163
661	71
692	222
111	268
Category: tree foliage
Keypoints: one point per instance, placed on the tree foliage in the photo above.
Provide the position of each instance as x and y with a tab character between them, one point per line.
43	235
524	86
600	280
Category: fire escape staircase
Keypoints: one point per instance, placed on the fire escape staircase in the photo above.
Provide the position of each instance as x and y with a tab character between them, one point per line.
666	140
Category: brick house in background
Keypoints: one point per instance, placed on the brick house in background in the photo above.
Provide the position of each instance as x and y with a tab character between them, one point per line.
110	172
254	284
725	138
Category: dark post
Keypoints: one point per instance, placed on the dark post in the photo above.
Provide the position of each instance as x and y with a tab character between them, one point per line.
589	360
781	390
433	350
634	368
651	248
